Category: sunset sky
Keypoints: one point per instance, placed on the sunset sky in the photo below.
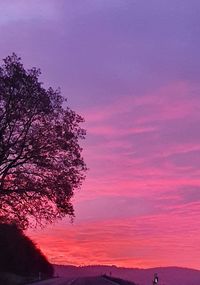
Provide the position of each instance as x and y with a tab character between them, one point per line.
131	68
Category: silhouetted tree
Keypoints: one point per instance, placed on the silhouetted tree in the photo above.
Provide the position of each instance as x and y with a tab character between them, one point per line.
40	156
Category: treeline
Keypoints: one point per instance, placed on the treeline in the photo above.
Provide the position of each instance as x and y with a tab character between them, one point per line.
19	255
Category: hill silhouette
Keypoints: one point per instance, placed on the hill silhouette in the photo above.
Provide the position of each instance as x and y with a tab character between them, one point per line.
167	275
19	255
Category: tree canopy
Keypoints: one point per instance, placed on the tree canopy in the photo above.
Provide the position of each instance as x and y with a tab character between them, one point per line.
40	156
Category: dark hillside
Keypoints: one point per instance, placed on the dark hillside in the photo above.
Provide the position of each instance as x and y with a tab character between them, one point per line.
19	255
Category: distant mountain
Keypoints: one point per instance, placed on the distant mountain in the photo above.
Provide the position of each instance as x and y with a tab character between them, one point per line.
167	275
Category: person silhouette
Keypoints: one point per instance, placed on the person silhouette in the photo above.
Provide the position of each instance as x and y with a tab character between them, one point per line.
155	280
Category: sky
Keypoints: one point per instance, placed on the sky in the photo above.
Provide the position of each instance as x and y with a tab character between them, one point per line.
131	69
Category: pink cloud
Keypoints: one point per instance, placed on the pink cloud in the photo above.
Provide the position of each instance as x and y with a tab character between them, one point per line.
155	240
140	97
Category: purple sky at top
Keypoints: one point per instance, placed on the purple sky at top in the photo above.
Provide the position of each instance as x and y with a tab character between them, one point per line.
131	68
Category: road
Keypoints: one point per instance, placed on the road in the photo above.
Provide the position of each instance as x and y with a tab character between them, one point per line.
55	281
78	281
